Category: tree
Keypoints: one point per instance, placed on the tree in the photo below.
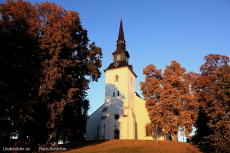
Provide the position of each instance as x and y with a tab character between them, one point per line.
218	109
19	65
169	99
50	46
208	95
67	61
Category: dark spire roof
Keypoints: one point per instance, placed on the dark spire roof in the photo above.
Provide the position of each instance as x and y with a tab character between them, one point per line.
121	32
123	62
121	39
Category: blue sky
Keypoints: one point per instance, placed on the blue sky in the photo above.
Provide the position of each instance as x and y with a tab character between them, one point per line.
156	32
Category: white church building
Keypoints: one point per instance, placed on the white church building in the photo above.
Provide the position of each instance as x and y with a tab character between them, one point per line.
123	114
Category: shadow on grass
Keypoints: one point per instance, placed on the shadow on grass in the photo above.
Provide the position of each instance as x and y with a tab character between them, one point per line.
205	148
80	144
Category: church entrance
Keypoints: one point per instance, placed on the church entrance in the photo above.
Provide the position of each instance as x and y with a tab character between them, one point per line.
116	134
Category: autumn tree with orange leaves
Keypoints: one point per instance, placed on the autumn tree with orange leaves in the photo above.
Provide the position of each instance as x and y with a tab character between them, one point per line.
212	91
169	98
46	65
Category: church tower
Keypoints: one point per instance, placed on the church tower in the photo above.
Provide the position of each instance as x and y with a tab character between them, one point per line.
123	114
119	118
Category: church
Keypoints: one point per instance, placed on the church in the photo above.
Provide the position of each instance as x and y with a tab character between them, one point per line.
123	114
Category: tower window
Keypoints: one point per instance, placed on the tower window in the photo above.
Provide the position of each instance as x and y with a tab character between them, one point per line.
116	78
118	57
113	94
118	94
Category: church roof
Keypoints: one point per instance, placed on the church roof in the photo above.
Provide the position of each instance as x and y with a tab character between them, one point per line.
121	64
138	95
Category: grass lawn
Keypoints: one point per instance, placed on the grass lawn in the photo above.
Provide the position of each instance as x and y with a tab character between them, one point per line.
132	146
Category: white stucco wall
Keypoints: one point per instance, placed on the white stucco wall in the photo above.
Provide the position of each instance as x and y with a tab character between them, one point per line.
142	120
92	125
122	104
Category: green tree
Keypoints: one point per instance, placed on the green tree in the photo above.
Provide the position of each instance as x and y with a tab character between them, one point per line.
169	99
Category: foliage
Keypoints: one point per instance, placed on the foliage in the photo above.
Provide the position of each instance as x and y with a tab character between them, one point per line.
46	65
219	109
149	130
212	90
19	64
169	99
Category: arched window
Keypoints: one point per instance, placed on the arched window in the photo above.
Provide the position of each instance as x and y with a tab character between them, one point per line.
116	78
116	134
148	129
118	57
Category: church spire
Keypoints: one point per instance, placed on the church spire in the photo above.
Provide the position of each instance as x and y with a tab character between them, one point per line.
121	40
121	54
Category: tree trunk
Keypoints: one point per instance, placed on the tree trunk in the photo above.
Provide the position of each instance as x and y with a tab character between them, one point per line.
64	138
175	138
57	136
